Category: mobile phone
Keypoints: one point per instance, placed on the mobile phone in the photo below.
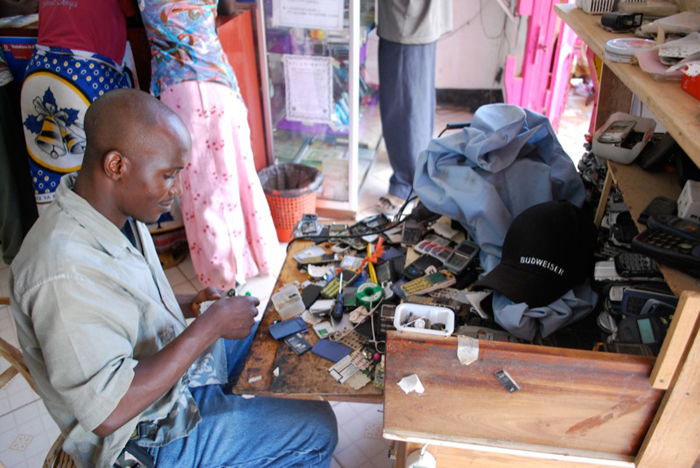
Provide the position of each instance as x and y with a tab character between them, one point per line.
677	226
659	206
418	267
670	249
325	258
461	256
435	246
649	328
617	131
427	283
633	264
634	300
308	224
412	232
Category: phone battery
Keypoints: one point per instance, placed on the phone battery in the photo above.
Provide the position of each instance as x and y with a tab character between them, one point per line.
298	343
507	381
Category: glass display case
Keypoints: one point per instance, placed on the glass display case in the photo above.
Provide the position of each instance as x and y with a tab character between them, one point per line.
319	109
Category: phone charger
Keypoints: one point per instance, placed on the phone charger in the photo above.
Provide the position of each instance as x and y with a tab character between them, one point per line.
689	201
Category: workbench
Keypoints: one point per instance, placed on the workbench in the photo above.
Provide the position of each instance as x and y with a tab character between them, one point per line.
575	408
303	377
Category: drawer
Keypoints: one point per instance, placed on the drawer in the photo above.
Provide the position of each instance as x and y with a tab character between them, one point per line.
570	401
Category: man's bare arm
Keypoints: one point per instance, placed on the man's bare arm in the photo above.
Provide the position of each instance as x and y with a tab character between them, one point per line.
230	317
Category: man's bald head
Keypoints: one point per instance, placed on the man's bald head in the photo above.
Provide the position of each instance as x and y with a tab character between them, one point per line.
123	120
136	149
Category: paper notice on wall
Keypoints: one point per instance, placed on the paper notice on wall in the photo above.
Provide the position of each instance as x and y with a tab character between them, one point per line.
309	14
335	179
309	88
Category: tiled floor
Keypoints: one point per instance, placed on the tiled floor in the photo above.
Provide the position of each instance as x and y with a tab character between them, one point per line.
27	431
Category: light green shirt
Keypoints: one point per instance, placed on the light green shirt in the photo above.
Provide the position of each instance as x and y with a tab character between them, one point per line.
413	21
88	305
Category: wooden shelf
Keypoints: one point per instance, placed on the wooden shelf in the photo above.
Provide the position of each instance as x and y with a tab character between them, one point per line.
634	183
676	109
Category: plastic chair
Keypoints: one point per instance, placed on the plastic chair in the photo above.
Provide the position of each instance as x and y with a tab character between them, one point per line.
56	458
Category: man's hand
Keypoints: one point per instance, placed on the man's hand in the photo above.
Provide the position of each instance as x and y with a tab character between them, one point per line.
234	316
229	317
207	294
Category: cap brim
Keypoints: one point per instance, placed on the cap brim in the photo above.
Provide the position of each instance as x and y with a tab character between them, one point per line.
519	286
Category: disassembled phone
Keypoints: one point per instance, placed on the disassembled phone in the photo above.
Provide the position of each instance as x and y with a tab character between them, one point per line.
308	224
617	131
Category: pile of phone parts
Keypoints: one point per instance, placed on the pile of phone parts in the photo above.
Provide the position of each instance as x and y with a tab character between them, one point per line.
345	307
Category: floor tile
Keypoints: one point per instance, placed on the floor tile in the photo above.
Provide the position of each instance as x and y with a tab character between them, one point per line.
187	268
175	276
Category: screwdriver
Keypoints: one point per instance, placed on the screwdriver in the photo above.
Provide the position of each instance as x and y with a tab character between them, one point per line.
337	312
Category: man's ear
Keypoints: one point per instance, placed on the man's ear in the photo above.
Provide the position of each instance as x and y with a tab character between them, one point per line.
115	164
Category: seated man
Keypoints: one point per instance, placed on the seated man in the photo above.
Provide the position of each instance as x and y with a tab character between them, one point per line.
104	335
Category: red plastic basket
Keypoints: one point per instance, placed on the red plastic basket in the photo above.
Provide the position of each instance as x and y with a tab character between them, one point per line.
290	190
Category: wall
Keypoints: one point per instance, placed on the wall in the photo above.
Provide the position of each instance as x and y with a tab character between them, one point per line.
471	55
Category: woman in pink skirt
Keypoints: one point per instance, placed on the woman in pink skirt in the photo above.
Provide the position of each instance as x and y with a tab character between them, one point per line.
227	219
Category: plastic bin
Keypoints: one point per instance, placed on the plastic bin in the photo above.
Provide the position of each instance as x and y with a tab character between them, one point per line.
290	190
408	311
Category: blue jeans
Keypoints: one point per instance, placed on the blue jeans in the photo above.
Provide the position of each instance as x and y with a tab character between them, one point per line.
252	433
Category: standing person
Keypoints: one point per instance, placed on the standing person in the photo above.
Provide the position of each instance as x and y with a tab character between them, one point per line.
105	337
78	57
408	31
227	219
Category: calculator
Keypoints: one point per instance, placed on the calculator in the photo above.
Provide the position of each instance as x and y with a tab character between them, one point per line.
427	283
670	249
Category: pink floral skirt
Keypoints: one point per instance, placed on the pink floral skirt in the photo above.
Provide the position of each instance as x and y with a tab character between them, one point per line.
227	219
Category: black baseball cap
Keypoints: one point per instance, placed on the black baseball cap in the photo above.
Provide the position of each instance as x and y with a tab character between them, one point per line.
548	250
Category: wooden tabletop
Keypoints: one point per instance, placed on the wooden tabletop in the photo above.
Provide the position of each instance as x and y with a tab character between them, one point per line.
581	402
303	377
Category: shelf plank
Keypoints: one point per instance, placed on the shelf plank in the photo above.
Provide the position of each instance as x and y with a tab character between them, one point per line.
638	188
676	109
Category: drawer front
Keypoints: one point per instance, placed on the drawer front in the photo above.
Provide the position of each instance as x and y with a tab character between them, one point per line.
568	399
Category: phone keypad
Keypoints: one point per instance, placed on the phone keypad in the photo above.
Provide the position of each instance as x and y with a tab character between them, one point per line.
667	241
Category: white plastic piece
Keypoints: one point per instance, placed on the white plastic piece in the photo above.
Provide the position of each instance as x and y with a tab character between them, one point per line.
421	459
407	312
411	383
287	302
467	349
689	201
276	372
254	379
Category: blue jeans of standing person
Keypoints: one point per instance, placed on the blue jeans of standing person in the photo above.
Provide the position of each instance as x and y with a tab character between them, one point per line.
252	433
407	107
